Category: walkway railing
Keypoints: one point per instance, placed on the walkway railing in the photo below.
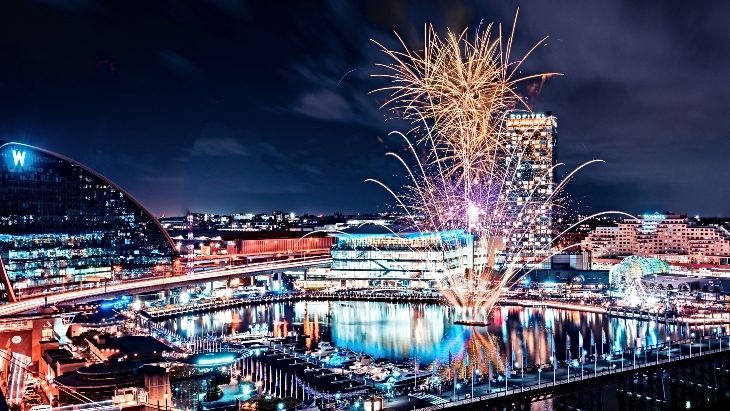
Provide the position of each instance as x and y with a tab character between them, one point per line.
548	388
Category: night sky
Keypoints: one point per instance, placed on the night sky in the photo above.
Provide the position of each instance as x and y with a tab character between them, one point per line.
226	106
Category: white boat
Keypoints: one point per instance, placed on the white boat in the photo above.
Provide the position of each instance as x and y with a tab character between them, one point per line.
324	349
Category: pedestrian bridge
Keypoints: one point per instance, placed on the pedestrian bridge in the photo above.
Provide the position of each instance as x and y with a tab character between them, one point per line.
116	288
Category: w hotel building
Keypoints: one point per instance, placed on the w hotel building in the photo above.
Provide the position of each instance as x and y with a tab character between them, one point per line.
64	227
531	146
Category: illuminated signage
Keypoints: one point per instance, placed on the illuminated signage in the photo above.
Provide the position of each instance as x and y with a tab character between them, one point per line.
654	217
216	360
19	157
527	115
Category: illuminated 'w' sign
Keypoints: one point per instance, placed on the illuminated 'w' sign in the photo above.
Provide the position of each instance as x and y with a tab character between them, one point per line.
19	157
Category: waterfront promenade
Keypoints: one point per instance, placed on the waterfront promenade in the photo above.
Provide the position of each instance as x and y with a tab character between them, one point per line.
523	388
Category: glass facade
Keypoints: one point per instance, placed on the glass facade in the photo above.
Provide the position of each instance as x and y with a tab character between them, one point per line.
413	255
532	146
63	227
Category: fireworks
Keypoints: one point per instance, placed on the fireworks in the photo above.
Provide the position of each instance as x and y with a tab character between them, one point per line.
487	170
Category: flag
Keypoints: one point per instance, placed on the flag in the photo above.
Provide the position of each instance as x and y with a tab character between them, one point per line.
449	358
481	355
552	341
593	341
580	345
603	332
467	360
567	346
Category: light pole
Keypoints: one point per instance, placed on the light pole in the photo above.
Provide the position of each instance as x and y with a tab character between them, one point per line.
552	361
669	349
539	372
458	387
691	340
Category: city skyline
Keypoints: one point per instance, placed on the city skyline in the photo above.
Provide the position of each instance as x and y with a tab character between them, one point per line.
227	107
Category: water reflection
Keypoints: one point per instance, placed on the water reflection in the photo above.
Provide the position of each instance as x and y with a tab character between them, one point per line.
426	331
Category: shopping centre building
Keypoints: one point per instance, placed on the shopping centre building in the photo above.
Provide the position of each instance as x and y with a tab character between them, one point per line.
63	226
410	256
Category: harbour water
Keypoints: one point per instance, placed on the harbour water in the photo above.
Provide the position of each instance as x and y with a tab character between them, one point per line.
427	333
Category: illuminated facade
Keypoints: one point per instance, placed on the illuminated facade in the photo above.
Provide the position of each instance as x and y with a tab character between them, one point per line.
533	142
424	256
63	227
672	237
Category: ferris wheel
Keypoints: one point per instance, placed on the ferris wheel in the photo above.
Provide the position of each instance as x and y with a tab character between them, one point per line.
628	278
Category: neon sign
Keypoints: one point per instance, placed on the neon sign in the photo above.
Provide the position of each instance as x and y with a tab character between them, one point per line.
19	157
527	115
216	361
654	216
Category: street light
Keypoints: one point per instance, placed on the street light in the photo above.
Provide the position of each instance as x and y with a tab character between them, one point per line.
539	373
669	349
552	361
458	387
690	344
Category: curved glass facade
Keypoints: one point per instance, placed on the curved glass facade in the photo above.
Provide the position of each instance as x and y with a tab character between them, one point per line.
63	227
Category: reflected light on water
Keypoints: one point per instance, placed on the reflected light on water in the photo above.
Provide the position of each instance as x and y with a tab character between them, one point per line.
426	331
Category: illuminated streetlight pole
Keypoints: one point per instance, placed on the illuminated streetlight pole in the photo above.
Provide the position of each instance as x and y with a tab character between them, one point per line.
552	360
669	348
691	340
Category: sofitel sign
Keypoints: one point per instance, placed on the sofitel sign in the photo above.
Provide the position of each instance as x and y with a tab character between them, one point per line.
526	115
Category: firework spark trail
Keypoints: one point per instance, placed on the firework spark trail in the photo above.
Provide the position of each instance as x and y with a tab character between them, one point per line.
459	94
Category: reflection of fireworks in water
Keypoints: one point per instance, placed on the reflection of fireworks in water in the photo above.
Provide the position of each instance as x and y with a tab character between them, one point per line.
459	94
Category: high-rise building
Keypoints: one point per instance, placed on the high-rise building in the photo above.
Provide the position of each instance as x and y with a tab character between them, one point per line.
530	159
64	227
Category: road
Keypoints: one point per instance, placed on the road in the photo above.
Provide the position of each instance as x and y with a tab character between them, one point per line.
157	283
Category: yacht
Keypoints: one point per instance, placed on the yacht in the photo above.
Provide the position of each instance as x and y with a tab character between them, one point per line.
324	349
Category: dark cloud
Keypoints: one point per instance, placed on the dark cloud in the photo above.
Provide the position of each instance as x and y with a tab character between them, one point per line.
229	106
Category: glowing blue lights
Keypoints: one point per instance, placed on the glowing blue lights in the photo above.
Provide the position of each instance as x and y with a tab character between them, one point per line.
18	158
